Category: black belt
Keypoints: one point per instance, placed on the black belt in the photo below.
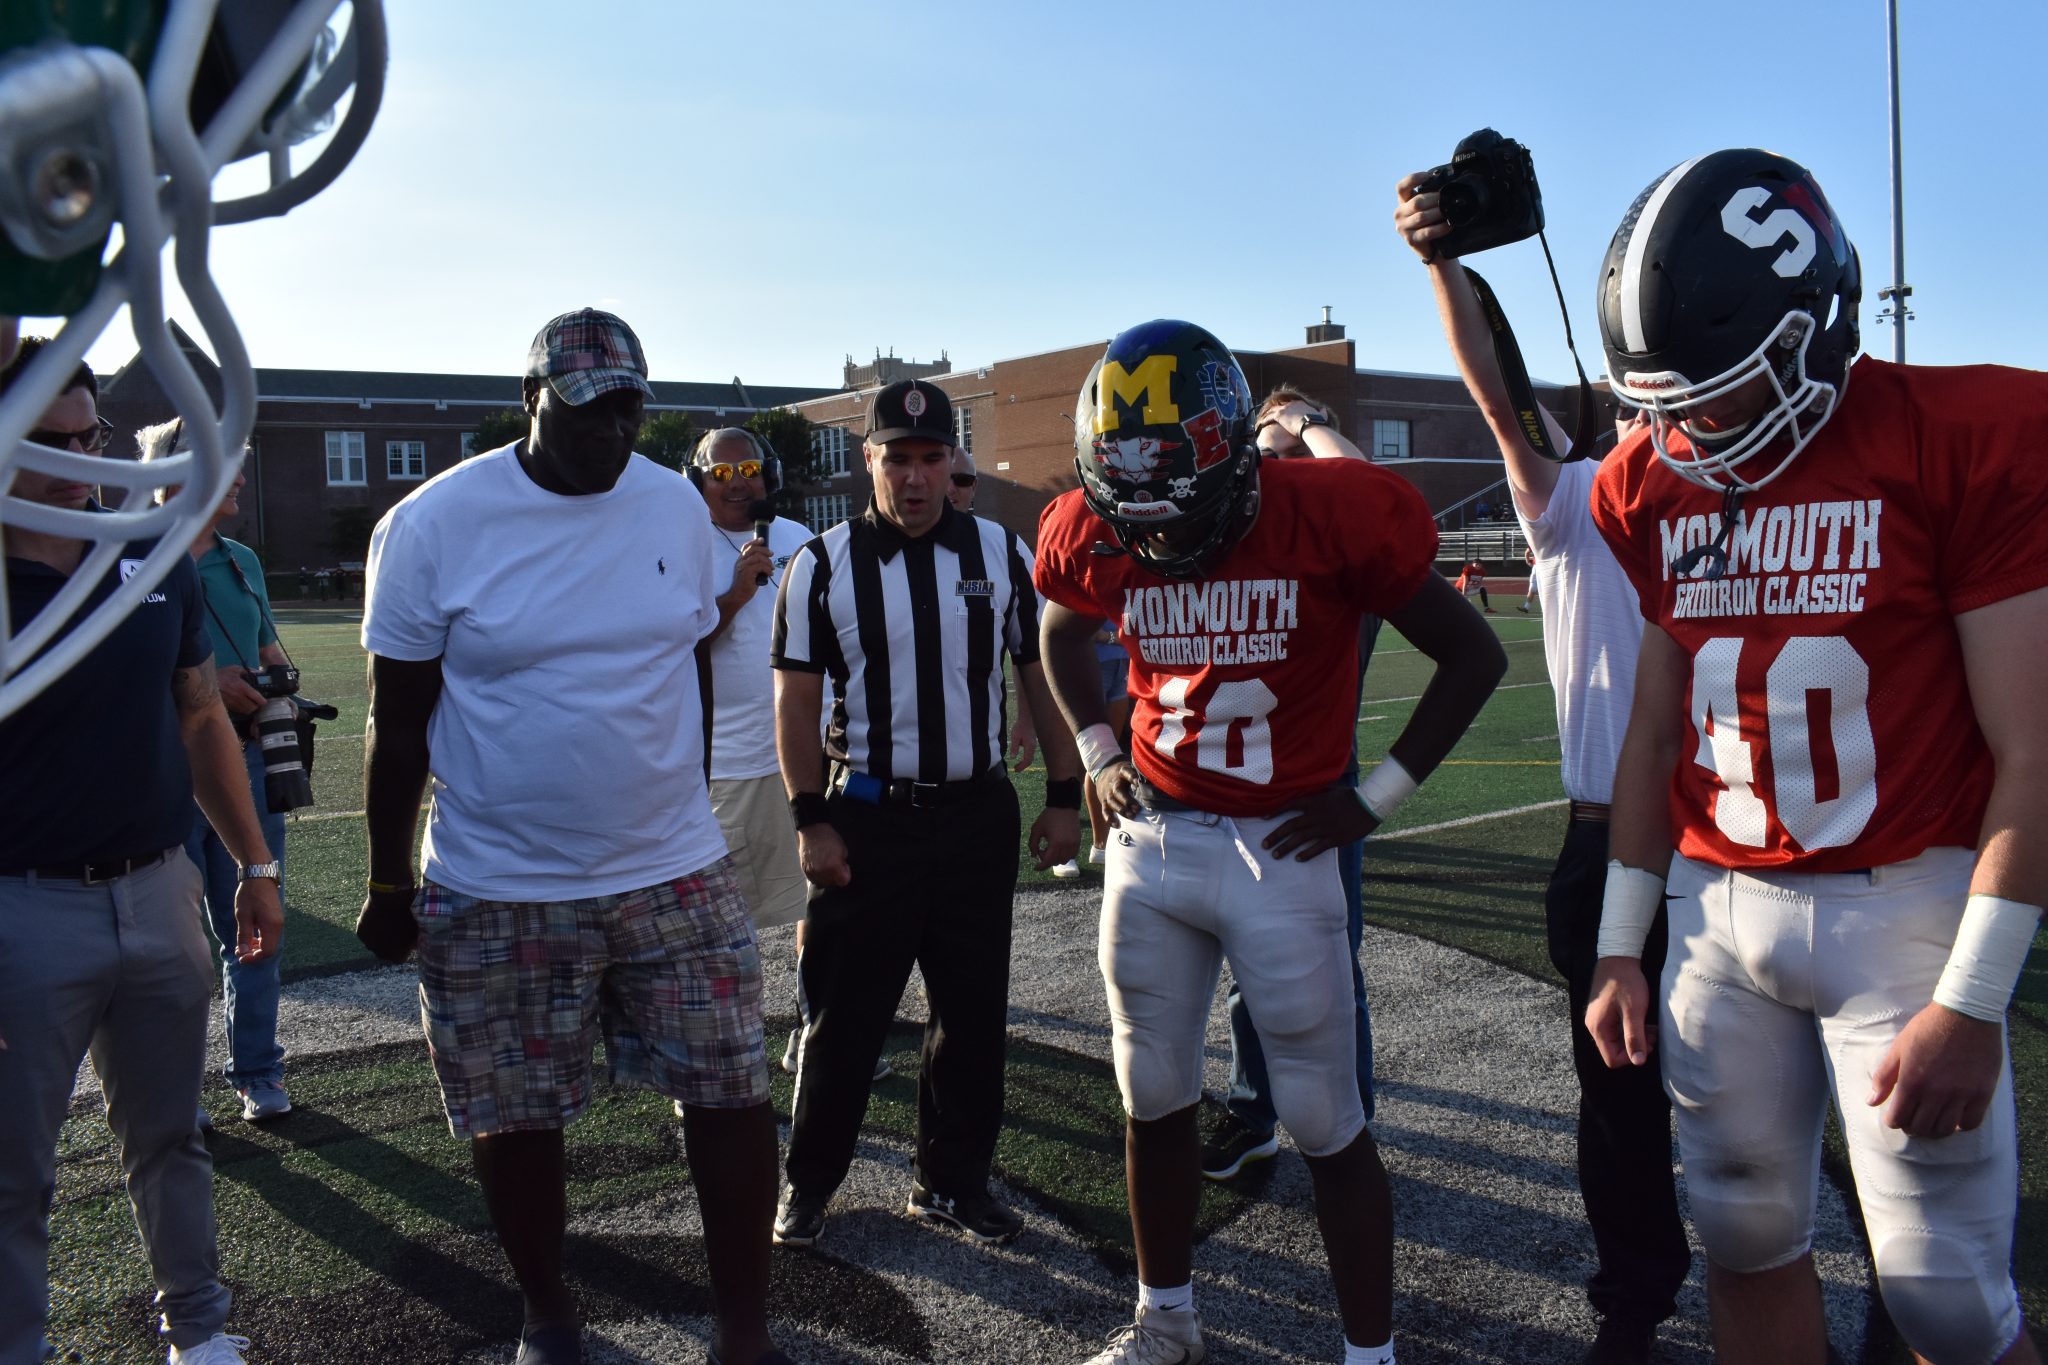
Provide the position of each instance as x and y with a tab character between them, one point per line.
902	793
90	873
1591	811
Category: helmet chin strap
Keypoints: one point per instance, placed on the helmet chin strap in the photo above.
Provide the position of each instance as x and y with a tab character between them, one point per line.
1714	554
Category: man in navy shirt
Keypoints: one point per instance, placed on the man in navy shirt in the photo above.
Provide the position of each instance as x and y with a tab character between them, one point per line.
101	948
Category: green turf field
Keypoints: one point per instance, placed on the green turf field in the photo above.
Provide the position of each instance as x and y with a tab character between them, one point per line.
366	1189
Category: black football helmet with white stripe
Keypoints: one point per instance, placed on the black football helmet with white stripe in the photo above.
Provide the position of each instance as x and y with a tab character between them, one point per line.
1728	306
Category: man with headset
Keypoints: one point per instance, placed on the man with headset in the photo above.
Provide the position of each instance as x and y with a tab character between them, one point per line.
737	472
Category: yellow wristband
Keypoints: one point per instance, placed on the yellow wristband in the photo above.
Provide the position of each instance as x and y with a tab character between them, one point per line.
386	888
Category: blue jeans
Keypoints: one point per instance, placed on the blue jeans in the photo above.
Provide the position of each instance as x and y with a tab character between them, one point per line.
1251	1095
248	993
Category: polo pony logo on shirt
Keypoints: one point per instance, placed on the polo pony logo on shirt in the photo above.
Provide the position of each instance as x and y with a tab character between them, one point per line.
132	567
661	566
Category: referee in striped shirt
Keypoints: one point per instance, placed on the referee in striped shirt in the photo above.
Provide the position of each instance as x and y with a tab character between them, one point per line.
906	820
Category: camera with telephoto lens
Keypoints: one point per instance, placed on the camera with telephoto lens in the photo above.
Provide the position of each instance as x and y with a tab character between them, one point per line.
1488	194
286	785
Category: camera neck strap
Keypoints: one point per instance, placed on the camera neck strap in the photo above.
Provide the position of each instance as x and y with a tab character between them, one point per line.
1508	354
262	606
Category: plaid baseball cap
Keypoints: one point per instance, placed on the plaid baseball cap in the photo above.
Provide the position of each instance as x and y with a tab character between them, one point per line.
586	353
910	407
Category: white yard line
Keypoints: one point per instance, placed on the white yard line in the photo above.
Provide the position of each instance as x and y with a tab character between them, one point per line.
1388	701
1473	820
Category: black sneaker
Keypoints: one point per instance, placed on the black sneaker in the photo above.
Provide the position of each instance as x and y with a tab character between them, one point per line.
977	1215
1622	1341
800	1219
1236	1145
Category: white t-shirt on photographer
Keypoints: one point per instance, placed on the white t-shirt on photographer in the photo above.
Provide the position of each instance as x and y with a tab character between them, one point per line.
567	746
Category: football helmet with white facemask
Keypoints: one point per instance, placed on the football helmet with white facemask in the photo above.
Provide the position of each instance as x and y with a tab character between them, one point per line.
1728	306
121	113
1165	447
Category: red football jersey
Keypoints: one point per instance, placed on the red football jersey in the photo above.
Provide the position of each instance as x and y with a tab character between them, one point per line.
1831	726
1243	683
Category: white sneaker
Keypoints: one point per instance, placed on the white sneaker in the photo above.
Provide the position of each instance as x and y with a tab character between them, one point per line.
792	1054
1067	870
1155	1339
221	1349
1097	855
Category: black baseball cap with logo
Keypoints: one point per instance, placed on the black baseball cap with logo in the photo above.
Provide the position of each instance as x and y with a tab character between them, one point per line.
910	407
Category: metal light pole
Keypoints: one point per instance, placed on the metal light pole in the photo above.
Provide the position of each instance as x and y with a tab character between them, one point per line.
1898	313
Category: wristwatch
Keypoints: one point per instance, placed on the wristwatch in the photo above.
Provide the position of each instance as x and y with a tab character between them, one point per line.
269	871
1314	419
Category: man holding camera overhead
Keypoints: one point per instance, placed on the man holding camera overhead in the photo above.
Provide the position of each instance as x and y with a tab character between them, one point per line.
100	944
1591	632
245	648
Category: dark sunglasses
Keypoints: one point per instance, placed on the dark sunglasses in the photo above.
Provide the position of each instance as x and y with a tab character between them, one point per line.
92	440
963	480
748	469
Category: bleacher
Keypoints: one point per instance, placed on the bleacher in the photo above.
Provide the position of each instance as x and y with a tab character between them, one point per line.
1495	539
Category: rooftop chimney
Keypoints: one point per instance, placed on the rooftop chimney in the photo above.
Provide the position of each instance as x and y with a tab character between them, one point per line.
1325	330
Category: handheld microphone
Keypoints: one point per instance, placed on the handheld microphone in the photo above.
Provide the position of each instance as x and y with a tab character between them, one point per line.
763	513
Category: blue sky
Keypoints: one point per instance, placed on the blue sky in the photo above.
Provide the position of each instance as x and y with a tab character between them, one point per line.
760	189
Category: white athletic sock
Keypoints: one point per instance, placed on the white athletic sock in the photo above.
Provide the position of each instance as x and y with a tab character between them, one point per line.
1180	1299
1369	1355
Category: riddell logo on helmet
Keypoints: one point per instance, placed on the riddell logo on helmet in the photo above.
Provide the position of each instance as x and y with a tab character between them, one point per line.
1146	511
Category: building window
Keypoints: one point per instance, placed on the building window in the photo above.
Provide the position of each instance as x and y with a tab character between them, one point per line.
1390	438
346	463
828	450
963	429
822	513
468	444
405	459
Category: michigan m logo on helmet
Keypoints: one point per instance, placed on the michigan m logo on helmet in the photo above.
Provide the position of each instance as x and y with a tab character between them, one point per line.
1727	308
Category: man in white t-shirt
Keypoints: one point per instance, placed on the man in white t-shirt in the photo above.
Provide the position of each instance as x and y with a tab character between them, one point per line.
1592	628
532	620
736	471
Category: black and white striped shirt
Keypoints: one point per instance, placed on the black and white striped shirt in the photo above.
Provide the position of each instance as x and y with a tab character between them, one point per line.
912	631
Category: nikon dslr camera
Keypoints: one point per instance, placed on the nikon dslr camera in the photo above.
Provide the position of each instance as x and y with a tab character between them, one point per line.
286	785
1489	195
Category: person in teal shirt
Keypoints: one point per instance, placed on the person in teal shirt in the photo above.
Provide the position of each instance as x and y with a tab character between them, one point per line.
244	639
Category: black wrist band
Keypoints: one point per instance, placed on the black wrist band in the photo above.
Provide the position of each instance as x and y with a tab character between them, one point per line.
809	808
1063	793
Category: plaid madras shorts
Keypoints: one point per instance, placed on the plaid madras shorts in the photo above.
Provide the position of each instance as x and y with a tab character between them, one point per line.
513	993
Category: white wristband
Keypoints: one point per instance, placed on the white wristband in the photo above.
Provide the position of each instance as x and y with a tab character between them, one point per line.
1385	788
1098	747
1628	908
1984	966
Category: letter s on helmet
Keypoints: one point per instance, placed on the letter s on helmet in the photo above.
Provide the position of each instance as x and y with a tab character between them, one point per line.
123	111
1731	270
1164	446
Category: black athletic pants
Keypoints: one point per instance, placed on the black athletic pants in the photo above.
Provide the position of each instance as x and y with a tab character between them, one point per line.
934	888
1624	1116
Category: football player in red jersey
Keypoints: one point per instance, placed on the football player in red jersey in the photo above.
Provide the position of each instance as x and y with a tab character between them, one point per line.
1237	590
1843	569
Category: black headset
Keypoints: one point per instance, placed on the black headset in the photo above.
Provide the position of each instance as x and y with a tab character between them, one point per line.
771	463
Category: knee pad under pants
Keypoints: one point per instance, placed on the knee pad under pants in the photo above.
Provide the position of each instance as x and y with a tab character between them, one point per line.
1183	890
1783	990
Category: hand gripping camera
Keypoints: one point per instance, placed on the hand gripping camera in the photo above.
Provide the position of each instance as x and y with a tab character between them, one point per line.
1489	195
286	783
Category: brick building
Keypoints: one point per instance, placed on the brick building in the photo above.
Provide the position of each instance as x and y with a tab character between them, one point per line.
327	441
1016	417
